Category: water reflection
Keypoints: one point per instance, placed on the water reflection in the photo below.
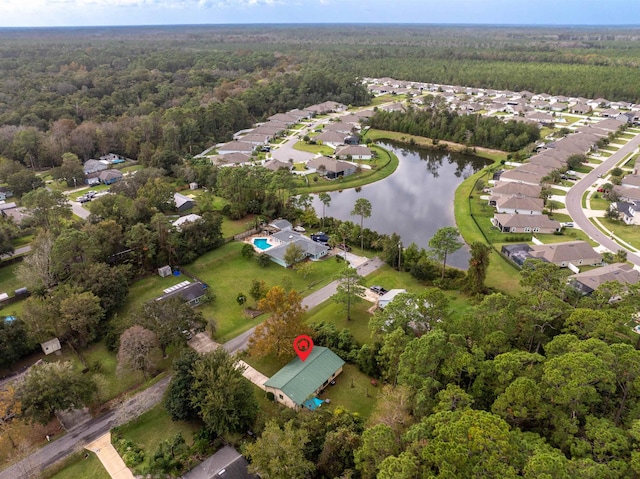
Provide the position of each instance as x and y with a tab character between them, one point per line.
416	200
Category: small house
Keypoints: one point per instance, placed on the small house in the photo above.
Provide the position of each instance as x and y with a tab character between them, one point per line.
109	177
191	293
51	346
165	271
330	168
299	381
386	298
354	152
182	202
191	218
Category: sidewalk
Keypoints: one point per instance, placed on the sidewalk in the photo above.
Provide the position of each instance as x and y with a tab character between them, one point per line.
109	457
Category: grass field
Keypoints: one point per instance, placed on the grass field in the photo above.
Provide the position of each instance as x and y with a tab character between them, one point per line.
628	233
599	203
332	312
353	391
79	467
228	274
321	149
9	282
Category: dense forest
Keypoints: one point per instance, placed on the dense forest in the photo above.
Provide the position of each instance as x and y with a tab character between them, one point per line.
439	123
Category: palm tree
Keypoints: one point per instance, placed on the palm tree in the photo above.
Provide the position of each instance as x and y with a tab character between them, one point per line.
325	198
362	208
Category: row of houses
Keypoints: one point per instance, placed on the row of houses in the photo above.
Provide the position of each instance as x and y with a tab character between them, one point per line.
475	100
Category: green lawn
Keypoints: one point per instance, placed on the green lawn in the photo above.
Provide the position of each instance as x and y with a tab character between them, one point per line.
322	149
378	100
332	312
233	227
583	169
97	188
9	282
228	274
599	203
568	234
79	467
147	289
570	119
558	192
353	391
501	274
628	233
153	427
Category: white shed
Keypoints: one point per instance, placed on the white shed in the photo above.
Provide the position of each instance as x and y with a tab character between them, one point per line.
51	346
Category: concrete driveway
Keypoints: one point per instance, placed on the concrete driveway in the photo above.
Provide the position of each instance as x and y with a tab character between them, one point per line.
109	457
253	375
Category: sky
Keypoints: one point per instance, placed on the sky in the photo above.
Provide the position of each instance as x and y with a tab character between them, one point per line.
35	13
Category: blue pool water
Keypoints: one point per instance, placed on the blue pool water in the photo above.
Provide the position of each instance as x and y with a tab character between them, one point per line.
261	243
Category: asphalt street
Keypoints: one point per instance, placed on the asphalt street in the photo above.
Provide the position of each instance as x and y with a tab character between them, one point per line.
575	194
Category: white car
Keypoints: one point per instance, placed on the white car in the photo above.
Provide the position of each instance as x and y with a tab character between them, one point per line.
299	229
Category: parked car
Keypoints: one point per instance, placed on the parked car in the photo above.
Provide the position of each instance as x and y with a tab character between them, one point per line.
378	289
568	225
344	247
320	238
299	229
83	199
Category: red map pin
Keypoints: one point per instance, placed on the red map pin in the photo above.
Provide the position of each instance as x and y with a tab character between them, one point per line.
303	345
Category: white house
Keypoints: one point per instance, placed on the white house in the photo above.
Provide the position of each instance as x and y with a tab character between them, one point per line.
386	298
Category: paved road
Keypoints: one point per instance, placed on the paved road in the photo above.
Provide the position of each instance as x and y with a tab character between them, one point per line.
239	343
86	433
18	251
79	210
575	194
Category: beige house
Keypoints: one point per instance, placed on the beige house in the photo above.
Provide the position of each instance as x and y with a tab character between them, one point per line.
511	223
518	204
589	281
578	253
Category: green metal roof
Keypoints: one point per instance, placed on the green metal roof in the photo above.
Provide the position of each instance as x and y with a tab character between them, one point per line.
300	379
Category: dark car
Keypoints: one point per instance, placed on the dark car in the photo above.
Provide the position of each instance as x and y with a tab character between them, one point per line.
377	289
344	247
83	199
320	238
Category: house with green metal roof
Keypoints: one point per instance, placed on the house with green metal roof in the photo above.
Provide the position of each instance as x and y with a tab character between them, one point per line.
300	381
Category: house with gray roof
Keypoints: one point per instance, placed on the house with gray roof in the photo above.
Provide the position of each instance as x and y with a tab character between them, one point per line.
588	281
331	138
182	202
275	165
231	159
236	146
94	166
300	381
522	176
330	168
511	223
354	152
578	253
191	293
628	211
284	238
518	204
509	188
631	181
109	177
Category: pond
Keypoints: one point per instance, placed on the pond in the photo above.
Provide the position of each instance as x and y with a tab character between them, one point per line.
415	200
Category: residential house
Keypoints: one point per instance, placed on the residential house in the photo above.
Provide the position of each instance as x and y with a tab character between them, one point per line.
627	194
191	293
518	204
300	381
610	113
231	159
255	139
588	281
275	165
311	249
16	214
330	168
580	109
236	146
599	103
578	253
331	138
94	166
541	118
629	211
354	152
269	130
281	225
190	218
511	223
389	296
509	188
559	106
340	127
547	162
286	118
182	202
522	176
631	181
226	463
109	177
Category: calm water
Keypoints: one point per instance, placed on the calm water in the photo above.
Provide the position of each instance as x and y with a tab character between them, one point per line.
414	201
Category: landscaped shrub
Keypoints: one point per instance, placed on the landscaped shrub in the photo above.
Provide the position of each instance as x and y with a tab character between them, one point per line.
131	454
270	396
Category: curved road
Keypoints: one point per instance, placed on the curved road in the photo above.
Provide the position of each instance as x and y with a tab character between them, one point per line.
575	194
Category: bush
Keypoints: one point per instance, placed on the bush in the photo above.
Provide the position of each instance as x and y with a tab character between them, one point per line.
270	396
132	455
247	251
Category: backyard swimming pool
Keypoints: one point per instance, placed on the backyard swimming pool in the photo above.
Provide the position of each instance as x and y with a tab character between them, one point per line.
261	243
